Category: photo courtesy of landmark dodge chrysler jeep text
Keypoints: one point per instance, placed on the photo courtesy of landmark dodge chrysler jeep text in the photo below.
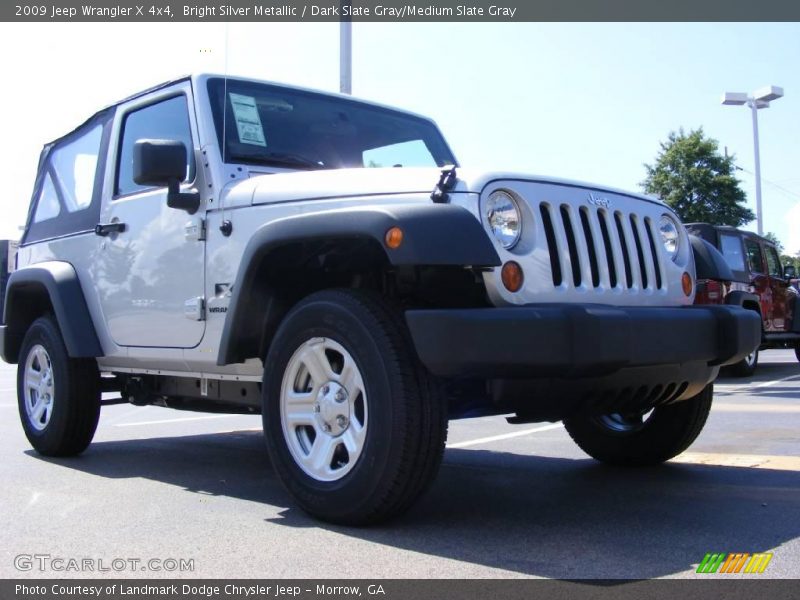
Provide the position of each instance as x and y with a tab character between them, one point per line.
236	246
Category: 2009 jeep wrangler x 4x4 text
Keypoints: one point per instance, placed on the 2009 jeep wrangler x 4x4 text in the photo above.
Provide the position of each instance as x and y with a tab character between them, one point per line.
222	244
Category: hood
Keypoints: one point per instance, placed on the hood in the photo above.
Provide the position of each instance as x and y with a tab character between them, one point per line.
337	183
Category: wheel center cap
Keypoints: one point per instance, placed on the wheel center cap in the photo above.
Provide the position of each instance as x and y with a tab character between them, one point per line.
332	409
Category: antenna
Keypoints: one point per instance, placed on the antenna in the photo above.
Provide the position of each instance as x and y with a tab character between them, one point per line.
225	96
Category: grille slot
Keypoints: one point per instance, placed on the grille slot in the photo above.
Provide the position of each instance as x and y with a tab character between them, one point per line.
552	246
639	252
574	259
625	255
612	267
648	226
587	232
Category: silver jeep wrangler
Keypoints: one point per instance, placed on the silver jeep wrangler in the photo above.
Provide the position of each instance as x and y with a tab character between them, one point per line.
232	245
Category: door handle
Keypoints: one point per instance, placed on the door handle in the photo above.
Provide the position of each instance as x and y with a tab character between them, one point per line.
104	229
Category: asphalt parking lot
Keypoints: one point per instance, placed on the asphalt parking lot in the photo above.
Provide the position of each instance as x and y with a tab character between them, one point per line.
510	501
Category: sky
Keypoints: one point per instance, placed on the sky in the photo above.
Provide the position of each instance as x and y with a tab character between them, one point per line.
582	101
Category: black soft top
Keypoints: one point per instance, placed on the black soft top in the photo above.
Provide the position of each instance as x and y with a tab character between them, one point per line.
104	113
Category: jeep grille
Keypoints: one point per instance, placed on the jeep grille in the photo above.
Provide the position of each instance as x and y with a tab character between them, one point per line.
596	248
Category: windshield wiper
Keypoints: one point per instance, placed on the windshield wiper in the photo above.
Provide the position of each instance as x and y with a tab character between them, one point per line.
280	159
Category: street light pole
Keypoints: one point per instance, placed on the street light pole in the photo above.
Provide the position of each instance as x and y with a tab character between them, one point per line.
753	104
758	99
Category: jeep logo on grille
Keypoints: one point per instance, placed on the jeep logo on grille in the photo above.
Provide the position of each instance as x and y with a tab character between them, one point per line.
599	201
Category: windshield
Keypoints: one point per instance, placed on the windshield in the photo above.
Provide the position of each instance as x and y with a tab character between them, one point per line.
274	126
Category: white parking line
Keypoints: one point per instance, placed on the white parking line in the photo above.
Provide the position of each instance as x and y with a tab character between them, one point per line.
769	383
725	387
755	407
181	420
505	436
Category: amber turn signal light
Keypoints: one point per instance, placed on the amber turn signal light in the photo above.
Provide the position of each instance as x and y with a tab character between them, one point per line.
393	238
512	277
686	282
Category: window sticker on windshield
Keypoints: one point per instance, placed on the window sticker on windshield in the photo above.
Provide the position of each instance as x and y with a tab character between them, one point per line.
248	122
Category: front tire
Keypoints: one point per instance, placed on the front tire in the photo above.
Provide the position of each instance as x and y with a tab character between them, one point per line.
354	426
58	396
642	440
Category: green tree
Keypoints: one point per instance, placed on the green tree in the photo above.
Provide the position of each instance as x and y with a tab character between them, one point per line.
774	239
692	177
791	260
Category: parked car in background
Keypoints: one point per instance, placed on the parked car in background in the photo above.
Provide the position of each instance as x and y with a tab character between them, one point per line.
756	280
794	283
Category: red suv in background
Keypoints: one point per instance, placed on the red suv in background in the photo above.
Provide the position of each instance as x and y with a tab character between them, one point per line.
755	280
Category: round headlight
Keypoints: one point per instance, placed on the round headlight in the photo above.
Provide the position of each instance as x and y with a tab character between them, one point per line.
503	217
670	235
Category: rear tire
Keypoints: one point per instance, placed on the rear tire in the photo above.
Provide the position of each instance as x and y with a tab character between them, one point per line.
354	425
745	367
628	441
58	396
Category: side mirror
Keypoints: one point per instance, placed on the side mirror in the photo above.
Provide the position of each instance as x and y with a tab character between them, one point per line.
789	272
158	162
162	163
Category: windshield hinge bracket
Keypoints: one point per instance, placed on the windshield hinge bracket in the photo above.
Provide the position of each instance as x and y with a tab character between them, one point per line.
447	181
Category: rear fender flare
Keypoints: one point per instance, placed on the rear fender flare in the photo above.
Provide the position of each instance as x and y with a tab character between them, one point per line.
57	283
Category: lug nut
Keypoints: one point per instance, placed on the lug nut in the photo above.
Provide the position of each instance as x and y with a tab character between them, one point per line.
326	389
326	428
316	408
341	421
340	396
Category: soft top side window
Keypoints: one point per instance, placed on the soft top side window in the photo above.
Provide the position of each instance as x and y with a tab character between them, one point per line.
47	206
731	246
69	183
74	166
755	258
774	263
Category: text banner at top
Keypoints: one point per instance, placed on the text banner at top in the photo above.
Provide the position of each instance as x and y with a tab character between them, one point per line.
253	11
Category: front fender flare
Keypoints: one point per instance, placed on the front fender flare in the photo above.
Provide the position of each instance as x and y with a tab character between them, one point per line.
433	234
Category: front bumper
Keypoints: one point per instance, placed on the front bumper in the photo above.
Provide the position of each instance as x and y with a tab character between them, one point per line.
579	341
